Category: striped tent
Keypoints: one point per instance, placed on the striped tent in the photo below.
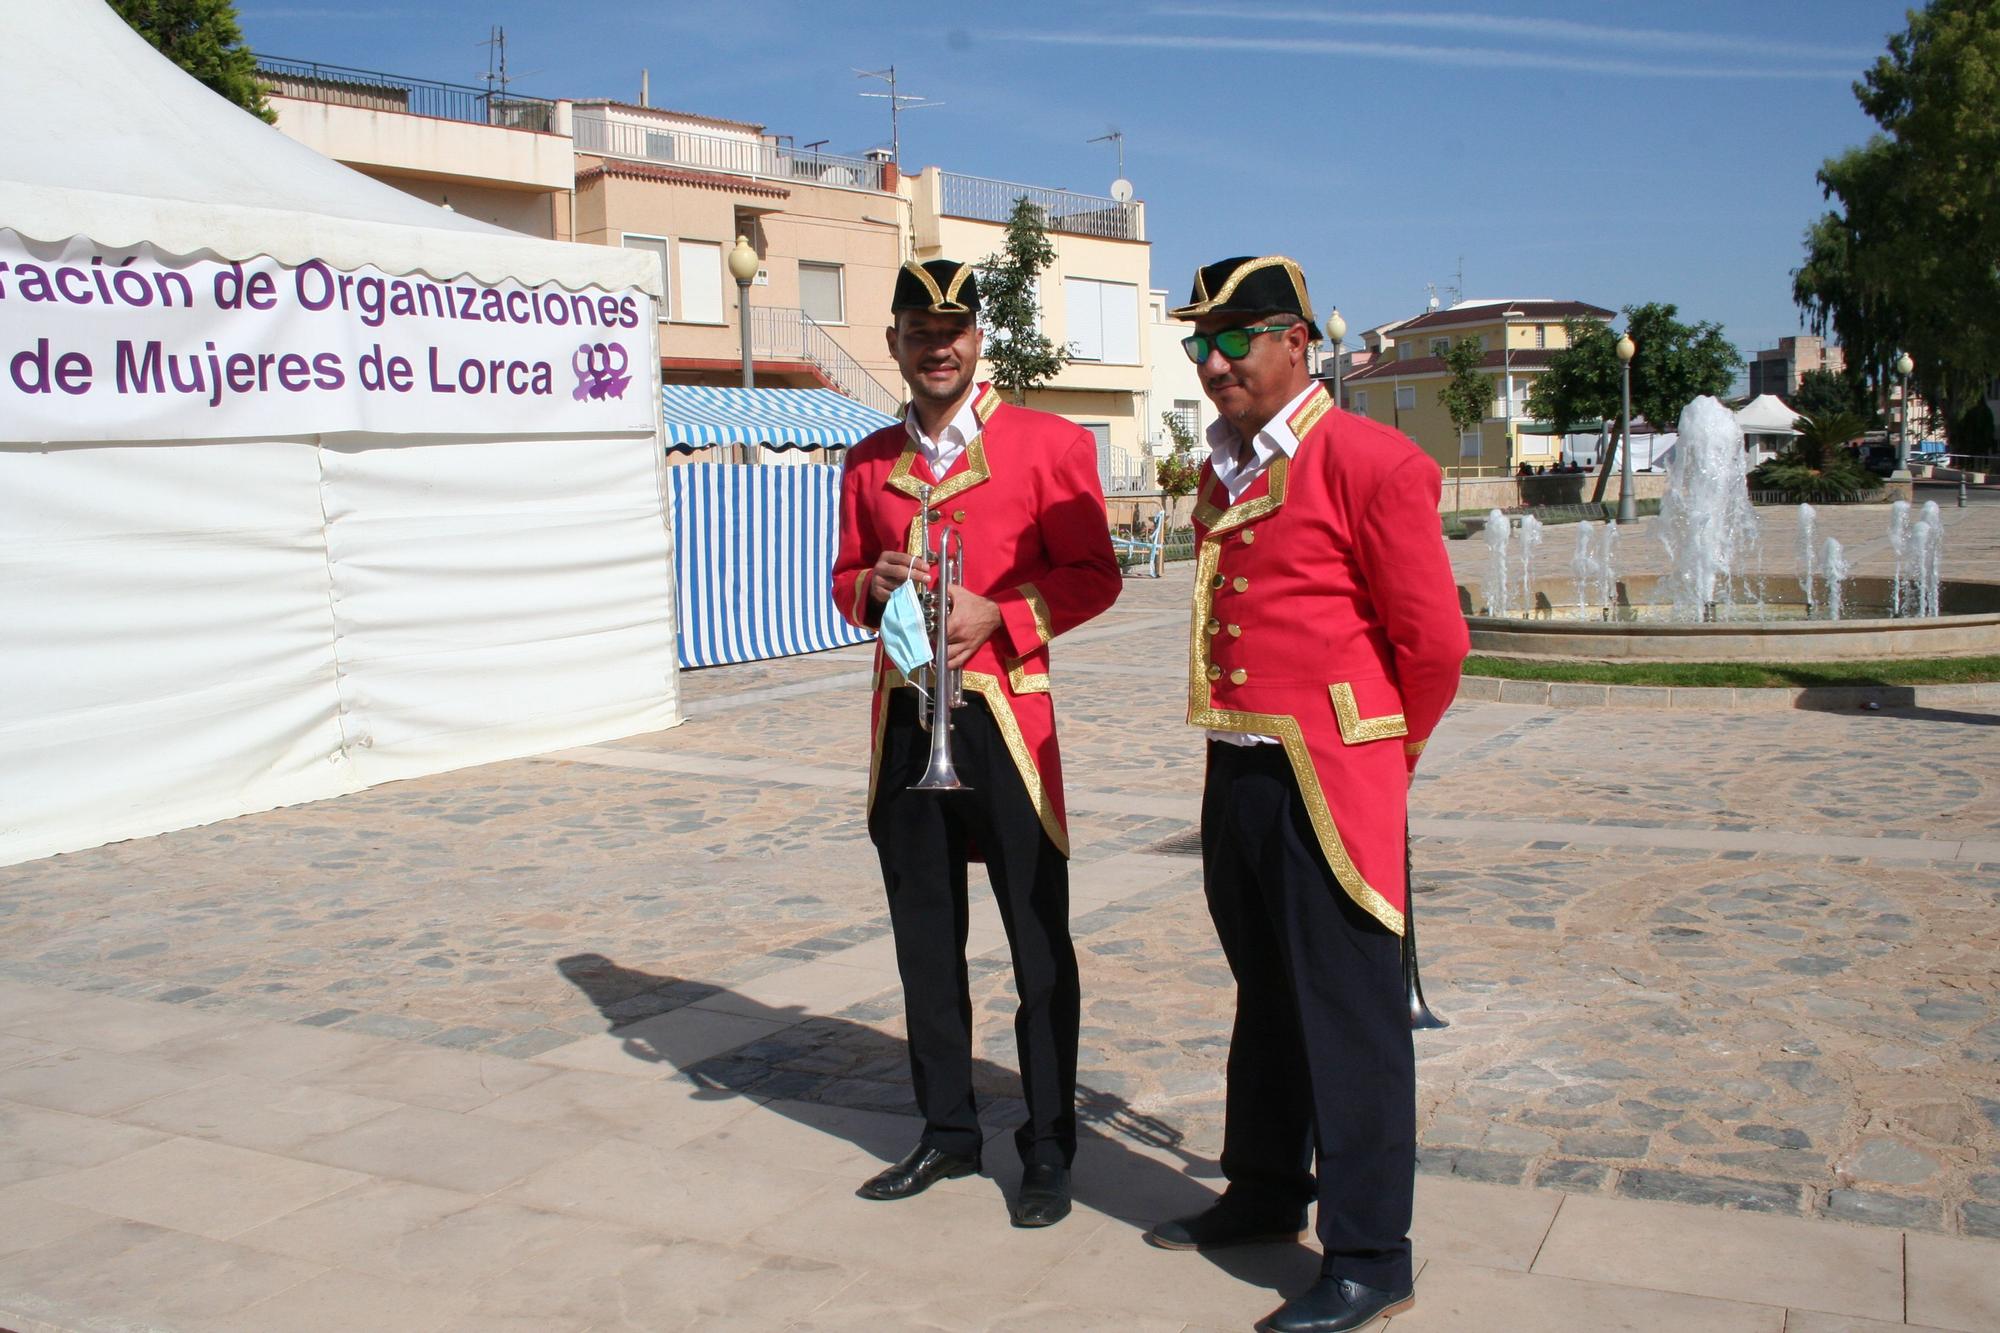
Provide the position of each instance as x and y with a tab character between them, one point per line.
753	553
698	416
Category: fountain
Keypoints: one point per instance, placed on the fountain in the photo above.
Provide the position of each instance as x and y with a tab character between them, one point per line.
1715	601
1835	564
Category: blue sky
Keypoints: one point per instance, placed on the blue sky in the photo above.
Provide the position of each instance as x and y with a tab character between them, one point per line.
1608	152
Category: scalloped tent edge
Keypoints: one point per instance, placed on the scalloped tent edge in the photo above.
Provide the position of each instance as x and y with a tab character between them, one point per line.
132	149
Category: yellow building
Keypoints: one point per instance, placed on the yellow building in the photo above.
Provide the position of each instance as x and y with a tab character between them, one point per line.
1093	298
1400	384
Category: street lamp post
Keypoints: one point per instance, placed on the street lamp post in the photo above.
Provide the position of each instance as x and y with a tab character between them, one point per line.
1507	381
1903	368
743	267
1336	330
1628	509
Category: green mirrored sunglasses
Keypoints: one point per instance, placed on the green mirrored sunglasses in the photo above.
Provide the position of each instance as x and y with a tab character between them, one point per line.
1232	343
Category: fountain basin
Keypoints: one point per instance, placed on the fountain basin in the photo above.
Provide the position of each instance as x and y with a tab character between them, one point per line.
1558	630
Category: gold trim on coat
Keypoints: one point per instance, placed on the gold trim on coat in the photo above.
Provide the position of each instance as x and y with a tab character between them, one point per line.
1317	404
1356	729
861	595
1021	682
1415	747
902	479
1249	511
1045	625
1285	729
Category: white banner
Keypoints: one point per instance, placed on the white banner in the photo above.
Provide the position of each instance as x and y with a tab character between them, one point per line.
100	344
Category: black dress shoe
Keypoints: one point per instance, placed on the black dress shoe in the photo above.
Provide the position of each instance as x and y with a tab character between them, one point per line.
1044	1197
923	1168
1336	1305
1226	1224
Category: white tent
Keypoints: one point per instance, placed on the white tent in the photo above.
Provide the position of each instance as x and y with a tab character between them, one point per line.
1766	414
305	484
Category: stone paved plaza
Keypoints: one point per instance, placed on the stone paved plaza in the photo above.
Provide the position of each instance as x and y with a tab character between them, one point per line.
605	1038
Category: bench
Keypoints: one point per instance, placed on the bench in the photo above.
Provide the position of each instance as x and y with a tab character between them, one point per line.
1149	549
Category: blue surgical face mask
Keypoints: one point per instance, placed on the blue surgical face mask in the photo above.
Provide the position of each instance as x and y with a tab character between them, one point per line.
904	636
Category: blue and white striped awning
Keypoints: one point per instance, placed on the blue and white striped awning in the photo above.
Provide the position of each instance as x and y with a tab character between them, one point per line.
697	415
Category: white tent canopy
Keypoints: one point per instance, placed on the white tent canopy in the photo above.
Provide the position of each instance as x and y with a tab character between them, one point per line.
1766	414
304	484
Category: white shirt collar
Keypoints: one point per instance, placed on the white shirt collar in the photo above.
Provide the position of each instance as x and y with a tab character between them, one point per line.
943	451
1274	439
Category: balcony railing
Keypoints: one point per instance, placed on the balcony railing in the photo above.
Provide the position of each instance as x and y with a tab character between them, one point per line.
987	200
788	332
764	158
371	90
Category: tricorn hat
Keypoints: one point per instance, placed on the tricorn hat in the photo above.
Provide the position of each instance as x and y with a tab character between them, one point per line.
1250	286
941	286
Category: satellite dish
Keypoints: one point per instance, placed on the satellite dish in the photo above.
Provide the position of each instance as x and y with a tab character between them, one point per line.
1121	190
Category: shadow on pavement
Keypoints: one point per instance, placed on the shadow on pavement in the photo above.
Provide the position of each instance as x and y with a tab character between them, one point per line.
819	1061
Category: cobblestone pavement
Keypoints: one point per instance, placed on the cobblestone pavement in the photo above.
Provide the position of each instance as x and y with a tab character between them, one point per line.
1742	961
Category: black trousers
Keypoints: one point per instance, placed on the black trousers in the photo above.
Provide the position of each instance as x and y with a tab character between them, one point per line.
922	840
1322	1073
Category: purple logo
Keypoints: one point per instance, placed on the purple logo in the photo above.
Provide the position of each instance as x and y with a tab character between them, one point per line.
600	371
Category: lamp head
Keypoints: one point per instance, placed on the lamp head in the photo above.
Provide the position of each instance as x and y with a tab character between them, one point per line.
1904	365
1336	328
743	261
1625	348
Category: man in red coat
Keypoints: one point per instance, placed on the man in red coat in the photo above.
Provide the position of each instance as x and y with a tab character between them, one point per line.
1020	489
1325	646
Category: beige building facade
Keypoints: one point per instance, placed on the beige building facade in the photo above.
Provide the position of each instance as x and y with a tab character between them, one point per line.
1093	299
1401	382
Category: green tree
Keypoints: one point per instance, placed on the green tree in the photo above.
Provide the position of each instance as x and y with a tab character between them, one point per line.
1177	473
1816	467
1905	261
1824	391
1022	357
1467	394
202	37
1672	365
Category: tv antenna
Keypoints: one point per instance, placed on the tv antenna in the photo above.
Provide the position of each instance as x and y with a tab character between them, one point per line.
497	77
1116	136
897	102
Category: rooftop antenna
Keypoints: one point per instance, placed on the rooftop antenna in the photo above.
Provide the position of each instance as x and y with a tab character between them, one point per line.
496	62
1458	289
1114	135
897	101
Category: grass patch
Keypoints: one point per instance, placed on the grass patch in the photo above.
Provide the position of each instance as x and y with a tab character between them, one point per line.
1916	671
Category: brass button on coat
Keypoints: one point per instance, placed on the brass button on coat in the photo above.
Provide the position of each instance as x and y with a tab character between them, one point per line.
958	516
1235	631
1215	627
1217	585
1249	536
937	516
1242	584
1214	671
1238	676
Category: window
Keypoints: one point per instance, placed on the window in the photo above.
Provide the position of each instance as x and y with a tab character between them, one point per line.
1361	401
1100	432
820	294
1541	335
1468	444
1189	412
657	246
1406	351
1103	320
1439	346
701	282
1406	399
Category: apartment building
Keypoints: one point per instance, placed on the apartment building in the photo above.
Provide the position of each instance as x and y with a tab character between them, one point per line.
1092	298
1400	384
502	159
1778	370
827	229
1174	386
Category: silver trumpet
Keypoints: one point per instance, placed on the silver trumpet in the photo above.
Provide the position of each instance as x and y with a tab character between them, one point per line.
946	690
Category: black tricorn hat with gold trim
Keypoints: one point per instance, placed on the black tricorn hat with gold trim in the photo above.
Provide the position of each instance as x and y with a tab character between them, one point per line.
1248	285
941	286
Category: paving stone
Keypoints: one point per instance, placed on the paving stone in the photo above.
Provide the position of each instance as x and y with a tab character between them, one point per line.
1718	1191
1884	1209
1887	1162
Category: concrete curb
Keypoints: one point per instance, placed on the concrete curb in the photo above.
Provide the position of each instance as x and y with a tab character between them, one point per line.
1728	699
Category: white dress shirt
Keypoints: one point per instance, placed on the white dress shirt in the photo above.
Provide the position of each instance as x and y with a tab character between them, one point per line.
944	450
1236	473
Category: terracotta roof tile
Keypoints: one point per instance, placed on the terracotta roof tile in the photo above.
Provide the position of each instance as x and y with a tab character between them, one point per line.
646	171
1388	367
1541	312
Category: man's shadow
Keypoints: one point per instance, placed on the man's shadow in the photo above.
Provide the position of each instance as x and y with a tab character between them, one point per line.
817	1061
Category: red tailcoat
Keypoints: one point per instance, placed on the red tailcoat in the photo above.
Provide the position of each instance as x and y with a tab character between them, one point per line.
1326	616
1025	498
